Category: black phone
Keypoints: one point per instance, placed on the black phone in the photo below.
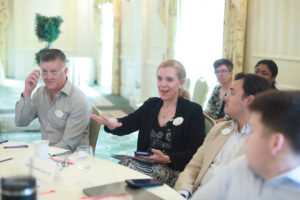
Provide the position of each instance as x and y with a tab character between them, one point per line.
148	182
142	153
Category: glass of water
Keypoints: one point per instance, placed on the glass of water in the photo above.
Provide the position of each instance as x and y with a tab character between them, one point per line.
84	162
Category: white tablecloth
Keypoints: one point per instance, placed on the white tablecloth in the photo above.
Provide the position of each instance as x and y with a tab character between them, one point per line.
65	182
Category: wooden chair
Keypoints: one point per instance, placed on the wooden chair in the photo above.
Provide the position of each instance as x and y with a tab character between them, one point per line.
94	128
209	123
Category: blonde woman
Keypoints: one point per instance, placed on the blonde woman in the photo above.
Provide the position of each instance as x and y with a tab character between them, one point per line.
171	128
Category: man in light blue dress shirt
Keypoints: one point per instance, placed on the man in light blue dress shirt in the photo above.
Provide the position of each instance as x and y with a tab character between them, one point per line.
271	167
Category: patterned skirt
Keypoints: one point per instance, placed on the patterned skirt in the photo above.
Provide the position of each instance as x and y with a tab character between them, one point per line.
157	171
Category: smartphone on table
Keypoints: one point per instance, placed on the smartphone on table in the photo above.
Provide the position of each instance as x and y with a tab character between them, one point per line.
148	182
142	153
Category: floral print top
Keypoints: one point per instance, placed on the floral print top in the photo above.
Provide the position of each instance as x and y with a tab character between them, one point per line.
215	106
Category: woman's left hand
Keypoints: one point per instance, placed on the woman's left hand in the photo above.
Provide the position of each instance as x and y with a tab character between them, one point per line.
157	157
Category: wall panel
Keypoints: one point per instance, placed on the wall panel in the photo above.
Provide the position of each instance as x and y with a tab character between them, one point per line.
273	29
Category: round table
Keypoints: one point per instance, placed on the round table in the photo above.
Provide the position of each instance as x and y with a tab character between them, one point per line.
65	182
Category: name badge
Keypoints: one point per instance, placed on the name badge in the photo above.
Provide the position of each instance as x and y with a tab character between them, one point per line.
226	131
178	121
59	113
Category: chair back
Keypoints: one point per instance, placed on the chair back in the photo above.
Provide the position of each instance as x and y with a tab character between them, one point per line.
209	123
187	84
200	91
94	128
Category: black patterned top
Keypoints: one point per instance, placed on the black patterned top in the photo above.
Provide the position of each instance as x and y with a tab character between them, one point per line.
215	106
160	137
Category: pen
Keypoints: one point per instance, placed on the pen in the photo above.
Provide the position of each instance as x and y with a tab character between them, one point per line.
63	153
59	160
107	196
3	141
47	192
17	146
6	159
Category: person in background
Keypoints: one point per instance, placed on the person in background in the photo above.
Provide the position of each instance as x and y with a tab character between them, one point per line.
271	167
170	127
225	141
268	70
215	107
62	110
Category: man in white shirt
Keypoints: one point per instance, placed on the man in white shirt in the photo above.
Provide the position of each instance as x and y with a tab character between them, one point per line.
225	140
271	167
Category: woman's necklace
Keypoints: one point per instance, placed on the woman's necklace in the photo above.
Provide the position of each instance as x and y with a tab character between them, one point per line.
165	114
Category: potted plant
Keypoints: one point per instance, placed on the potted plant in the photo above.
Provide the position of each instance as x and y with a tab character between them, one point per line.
46	29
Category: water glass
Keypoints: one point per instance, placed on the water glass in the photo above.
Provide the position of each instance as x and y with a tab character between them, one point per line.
84	162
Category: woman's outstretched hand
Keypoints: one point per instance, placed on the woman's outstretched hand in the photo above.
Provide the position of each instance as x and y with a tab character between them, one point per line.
157	157
111	123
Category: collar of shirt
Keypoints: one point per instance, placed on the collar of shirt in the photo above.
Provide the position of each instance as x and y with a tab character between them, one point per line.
67	88
245	130
293	175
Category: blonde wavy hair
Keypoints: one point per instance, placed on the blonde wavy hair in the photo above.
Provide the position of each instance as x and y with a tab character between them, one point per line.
180	72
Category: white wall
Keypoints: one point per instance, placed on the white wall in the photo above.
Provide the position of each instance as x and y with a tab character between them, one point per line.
76	39
273	32
143	42
143	39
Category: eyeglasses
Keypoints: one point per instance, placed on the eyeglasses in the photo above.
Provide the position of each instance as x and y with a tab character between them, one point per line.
221	71
53	74
61	163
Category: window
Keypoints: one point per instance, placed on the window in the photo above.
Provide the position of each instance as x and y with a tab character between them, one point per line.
200	38
107	35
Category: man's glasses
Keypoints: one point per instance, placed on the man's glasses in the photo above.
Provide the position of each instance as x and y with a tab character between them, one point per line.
221	71
61	163
53	74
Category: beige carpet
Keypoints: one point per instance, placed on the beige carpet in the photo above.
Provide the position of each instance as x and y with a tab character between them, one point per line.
100	101
10	94
114	113
11	91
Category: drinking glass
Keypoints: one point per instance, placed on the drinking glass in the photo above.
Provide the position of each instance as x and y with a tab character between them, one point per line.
84	162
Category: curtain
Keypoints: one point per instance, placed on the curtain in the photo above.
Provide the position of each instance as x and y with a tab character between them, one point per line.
117	38
161	11
234	32
173	14
4	20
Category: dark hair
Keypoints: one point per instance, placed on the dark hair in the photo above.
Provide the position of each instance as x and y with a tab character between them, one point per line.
223	61
272	67
51	55
253	84
280	112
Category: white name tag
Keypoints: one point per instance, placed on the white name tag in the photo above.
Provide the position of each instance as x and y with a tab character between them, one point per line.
226	131
41	169
59	113
178	121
